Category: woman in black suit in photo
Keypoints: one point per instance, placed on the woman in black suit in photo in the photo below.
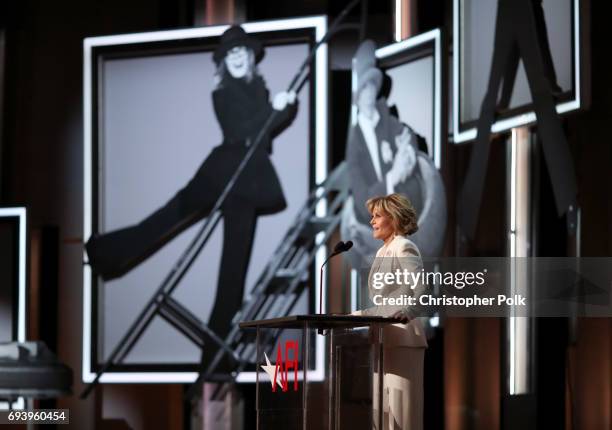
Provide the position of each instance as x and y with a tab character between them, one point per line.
242	106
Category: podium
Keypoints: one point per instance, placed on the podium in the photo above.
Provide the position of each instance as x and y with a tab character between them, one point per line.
287	398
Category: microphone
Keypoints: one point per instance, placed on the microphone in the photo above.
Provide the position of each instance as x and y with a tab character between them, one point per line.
338	249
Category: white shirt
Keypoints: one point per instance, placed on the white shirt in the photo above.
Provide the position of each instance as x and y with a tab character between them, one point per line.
367	126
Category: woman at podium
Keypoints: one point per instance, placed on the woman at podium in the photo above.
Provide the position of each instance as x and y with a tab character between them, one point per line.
393	219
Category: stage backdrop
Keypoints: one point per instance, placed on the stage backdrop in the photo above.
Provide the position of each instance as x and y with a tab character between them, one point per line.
152	124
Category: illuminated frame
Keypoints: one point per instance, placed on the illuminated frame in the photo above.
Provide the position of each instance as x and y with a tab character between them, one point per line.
579	100
316	23
20	214
414	43
519	328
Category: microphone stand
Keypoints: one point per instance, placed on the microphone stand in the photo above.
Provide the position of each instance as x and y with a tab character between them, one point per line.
338	249
333	254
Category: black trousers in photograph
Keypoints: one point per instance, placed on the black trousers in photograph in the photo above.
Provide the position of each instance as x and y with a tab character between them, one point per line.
257	191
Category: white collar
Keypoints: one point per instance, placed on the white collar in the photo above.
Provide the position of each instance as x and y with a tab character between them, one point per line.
369	122
386	245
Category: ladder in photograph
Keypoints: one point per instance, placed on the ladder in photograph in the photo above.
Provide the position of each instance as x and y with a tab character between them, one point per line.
285	278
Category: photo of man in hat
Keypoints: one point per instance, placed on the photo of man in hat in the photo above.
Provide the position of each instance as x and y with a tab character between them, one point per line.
383	157
380	148
242	106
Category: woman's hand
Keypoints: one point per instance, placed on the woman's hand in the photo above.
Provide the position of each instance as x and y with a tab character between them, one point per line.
401	317
403	138
282	99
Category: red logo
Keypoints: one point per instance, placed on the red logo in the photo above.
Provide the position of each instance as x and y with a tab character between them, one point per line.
279	372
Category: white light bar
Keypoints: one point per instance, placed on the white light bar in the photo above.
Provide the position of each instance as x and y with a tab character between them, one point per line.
519	328
398	20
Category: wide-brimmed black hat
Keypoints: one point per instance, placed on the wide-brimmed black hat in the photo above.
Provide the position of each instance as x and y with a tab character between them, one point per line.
236	36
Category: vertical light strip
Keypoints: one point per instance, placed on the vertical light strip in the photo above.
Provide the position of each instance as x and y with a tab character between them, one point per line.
512	238
21	327
87	208
456	83
321	71
2	90
22	306
513	193
398	20
519	237
437	99
577	59
321	110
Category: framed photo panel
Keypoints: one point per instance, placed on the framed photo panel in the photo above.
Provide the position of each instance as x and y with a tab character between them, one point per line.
150	121
473	39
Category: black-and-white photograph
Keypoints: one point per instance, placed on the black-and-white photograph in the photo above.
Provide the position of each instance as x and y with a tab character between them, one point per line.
174	115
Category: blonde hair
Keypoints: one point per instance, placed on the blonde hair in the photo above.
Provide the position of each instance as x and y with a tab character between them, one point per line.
399	209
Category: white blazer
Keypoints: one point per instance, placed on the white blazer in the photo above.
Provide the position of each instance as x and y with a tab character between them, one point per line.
401	253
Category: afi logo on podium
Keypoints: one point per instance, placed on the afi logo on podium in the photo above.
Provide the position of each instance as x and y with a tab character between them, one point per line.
279	371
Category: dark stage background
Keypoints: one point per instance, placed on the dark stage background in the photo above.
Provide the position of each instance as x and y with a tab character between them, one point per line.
41	164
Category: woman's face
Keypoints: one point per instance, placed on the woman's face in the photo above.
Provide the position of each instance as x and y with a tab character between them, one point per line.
239	61
382	225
